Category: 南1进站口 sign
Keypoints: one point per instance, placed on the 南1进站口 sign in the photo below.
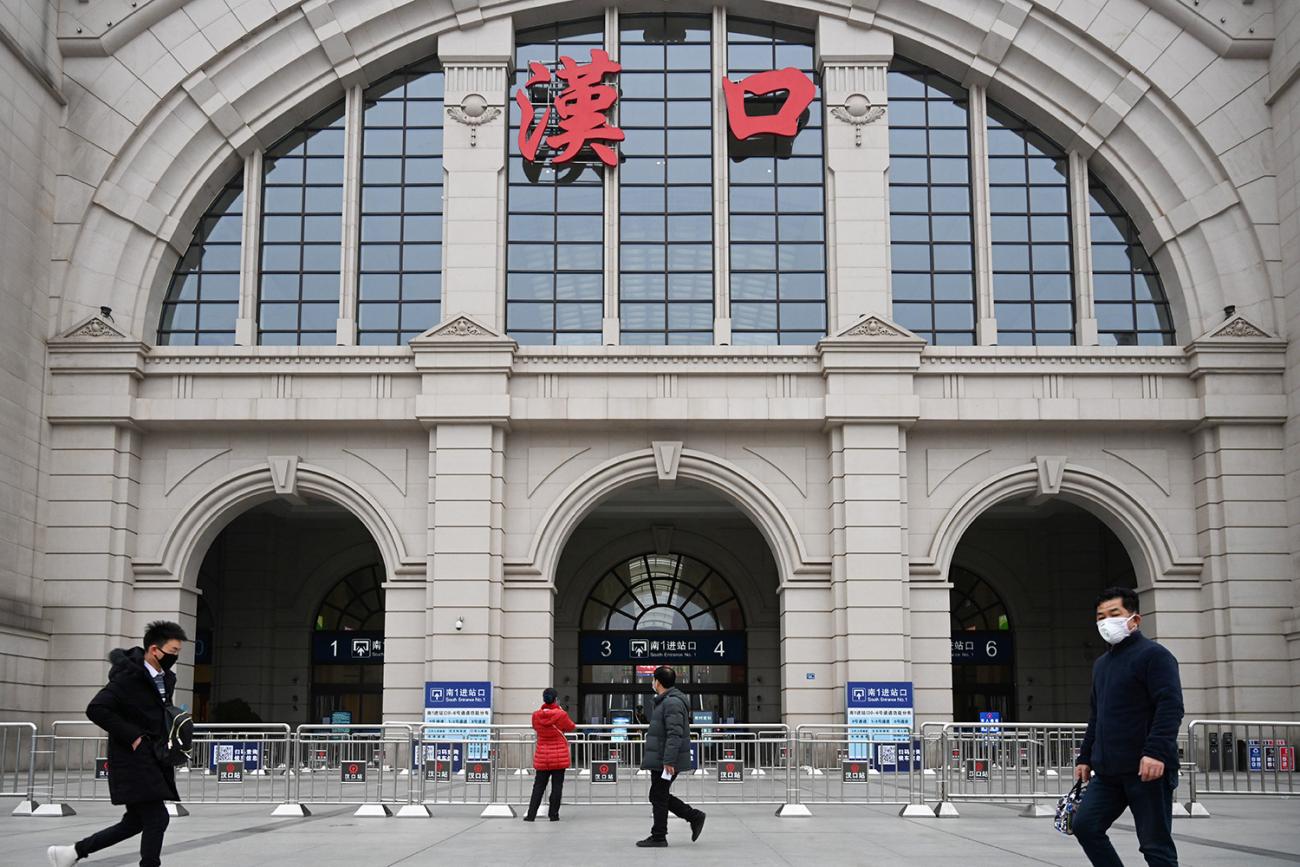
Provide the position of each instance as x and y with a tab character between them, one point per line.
871	704
466	707
658	647
567	108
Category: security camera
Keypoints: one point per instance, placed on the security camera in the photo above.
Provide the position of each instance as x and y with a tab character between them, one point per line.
460	623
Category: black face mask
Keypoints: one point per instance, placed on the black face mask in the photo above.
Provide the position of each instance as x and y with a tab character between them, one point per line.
168	660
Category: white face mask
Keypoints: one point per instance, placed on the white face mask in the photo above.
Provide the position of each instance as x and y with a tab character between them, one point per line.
1114	629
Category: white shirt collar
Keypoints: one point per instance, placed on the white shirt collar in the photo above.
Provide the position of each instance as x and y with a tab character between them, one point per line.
153	672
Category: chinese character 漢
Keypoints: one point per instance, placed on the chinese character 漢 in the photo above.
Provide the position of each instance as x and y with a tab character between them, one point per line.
799	92
581	108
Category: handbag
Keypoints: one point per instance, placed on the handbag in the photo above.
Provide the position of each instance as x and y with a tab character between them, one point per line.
1067	806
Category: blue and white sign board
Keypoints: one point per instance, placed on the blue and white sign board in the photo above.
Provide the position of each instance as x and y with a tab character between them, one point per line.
872	702
990	716
467	706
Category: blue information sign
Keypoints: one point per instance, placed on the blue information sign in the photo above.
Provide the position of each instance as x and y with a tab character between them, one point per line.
701	648
985	647
467	706
871	703
348	648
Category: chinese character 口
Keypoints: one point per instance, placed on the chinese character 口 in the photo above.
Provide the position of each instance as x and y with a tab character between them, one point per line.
799	92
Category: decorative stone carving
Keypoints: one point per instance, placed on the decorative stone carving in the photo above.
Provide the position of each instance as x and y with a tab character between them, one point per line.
1240	328
668	455
96	328
858	111
1051	472
873	326
473	112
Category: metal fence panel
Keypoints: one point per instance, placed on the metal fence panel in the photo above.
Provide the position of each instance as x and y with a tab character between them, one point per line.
17	760
1242	757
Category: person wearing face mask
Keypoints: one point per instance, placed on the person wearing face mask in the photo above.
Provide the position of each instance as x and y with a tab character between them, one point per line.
1129	756
132	709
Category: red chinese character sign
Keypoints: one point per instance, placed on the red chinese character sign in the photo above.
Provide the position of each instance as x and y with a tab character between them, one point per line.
799	92
580	109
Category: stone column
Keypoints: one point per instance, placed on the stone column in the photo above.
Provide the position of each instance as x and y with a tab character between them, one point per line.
477	61
1242	523
91	519
853	61
464	402
869	402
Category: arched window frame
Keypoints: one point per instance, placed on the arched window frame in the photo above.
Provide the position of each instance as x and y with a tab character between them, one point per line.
358	610
651	576
1153	310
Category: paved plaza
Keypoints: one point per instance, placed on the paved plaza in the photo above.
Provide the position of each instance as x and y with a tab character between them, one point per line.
1240	832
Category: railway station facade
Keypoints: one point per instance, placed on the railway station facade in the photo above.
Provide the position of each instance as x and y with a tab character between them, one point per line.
795	344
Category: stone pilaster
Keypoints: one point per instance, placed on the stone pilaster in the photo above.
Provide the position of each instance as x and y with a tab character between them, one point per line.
853	61
477	62
93	498
869	403
1241	522
464	403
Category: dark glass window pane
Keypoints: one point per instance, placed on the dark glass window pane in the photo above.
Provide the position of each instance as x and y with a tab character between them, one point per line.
1130	300
201	304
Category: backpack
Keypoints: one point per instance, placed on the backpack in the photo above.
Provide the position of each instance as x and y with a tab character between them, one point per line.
177	744
1067	807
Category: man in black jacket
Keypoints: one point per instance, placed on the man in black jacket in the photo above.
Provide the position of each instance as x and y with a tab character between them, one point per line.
667	751
1131	746
131	708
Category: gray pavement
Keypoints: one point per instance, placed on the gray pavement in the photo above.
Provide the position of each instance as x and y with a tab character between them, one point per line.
1240	832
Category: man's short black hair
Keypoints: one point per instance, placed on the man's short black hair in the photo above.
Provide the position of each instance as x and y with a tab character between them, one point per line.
160	632
1127	596
549	695
666	676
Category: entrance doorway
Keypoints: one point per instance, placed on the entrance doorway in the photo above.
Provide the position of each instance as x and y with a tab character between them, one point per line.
662	609
1023	642
293	595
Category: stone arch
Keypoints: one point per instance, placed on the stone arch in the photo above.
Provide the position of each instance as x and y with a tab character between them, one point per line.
731	482
248	91
198	523
1150	547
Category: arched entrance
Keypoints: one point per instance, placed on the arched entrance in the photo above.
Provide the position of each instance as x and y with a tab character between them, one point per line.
676	576
657	609
290	584
1024	578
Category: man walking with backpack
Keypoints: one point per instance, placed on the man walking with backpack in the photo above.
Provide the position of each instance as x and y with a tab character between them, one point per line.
133	709
667	752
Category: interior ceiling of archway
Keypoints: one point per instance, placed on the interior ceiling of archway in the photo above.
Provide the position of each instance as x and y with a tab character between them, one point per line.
684	502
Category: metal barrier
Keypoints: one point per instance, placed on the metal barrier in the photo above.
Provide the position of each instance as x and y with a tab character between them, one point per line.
733	764
1007	762
366	765
244	763
18	764
1240	757
857	764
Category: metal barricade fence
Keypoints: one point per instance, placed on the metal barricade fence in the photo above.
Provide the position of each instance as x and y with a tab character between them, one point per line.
72	763
857	764
238	763
1240	757
18	763
733	764
365	765
1008	762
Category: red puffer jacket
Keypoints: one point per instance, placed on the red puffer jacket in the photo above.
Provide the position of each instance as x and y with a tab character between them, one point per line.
552	753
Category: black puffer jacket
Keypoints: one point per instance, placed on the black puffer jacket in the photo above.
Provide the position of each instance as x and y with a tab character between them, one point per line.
129	707
668	739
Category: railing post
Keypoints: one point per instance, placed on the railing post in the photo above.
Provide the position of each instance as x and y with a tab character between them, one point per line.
1195	809
791	809
292	806
945	809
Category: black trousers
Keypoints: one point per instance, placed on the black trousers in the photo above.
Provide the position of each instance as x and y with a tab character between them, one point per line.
148	819
1151	805
662	801
556	779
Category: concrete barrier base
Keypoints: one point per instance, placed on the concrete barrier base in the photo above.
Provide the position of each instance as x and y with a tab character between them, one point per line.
793	811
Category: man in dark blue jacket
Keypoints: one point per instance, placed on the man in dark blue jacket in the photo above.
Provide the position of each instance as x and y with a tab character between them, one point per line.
1131	746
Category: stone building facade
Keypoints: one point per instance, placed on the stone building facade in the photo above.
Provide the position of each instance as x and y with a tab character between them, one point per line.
852	476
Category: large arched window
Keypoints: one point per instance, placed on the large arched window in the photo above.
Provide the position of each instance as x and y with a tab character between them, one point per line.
662	591
975	605
202	301
355	603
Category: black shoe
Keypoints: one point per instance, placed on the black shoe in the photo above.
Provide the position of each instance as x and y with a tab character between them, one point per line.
530	818
697	825
555	818
652	843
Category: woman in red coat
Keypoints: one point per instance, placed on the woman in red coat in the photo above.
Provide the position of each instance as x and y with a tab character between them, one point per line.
551	758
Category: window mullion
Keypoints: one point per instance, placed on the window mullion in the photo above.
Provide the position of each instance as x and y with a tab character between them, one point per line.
1085	314
986	330
351	224
250	254
610	323
721	190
